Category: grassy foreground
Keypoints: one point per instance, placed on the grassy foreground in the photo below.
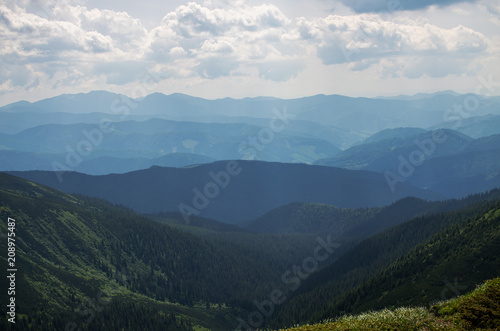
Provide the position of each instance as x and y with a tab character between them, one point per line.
478	310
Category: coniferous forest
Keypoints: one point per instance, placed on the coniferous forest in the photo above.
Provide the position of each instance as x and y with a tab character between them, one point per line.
237	165
93	265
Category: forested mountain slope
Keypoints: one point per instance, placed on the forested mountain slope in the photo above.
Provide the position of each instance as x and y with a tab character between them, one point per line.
70	250
319	295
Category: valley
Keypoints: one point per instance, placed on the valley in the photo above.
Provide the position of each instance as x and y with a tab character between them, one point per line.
278	214
237	165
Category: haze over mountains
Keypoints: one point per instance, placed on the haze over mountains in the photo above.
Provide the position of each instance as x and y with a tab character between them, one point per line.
252	189
401	138
243	214
424	110
446	161
282	130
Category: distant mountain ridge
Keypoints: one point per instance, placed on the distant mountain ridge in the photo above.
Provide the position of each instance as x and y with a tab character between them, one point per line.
385	146
384	135
186	214
342	111
420	95
445	161
392	134
254	188
99	165
155	138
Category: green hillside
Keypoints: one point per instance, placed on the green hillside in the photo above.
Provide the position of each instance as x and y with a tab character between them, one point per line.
334	290
313	218
88	262
85	263
346	223
478	310
449	264
452	261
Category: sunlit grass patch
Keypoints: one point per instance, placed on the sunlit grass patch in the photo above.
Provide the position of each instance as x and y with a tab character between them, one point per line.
399	319
478	310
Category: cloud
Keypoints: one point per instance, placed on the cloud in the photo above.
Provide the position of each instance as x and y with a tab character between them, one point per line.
194	19
63	44
433	67
16	75
215	67
280	71
219	41
32	38
376	6
122	72
365	39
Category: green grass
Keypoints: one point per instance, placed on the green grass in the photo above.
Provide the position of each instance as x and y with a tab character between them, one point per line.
478	310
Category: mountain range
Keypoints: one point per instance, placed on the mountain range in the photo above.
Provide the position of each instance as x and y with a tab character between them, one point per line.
93	132
445	161
97	266
172	212
232	191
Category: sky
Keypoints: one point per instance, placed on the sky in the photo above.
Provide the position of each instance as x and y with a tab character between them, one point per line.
238	48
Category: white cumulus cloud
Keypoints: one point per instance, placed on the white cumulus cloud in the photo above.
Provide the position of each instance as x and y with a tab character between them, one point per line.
62	43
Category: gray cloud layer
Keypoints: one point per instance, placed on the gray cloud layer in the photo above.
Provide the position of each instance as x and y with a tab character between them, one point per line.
375	6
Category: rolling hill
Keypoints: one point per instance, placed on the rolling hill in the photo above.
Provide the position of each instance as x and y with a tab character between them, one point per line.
172	212
316	127
460	175
298	217
387	134
74	249
347	224
475	127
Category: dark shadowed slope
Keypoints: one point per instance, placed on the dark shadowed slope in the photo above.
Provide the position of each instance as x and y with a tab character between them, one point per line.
233	191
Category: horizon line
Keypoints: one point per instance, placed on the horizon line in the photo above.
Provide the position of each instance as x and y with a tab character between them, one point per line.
387	97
